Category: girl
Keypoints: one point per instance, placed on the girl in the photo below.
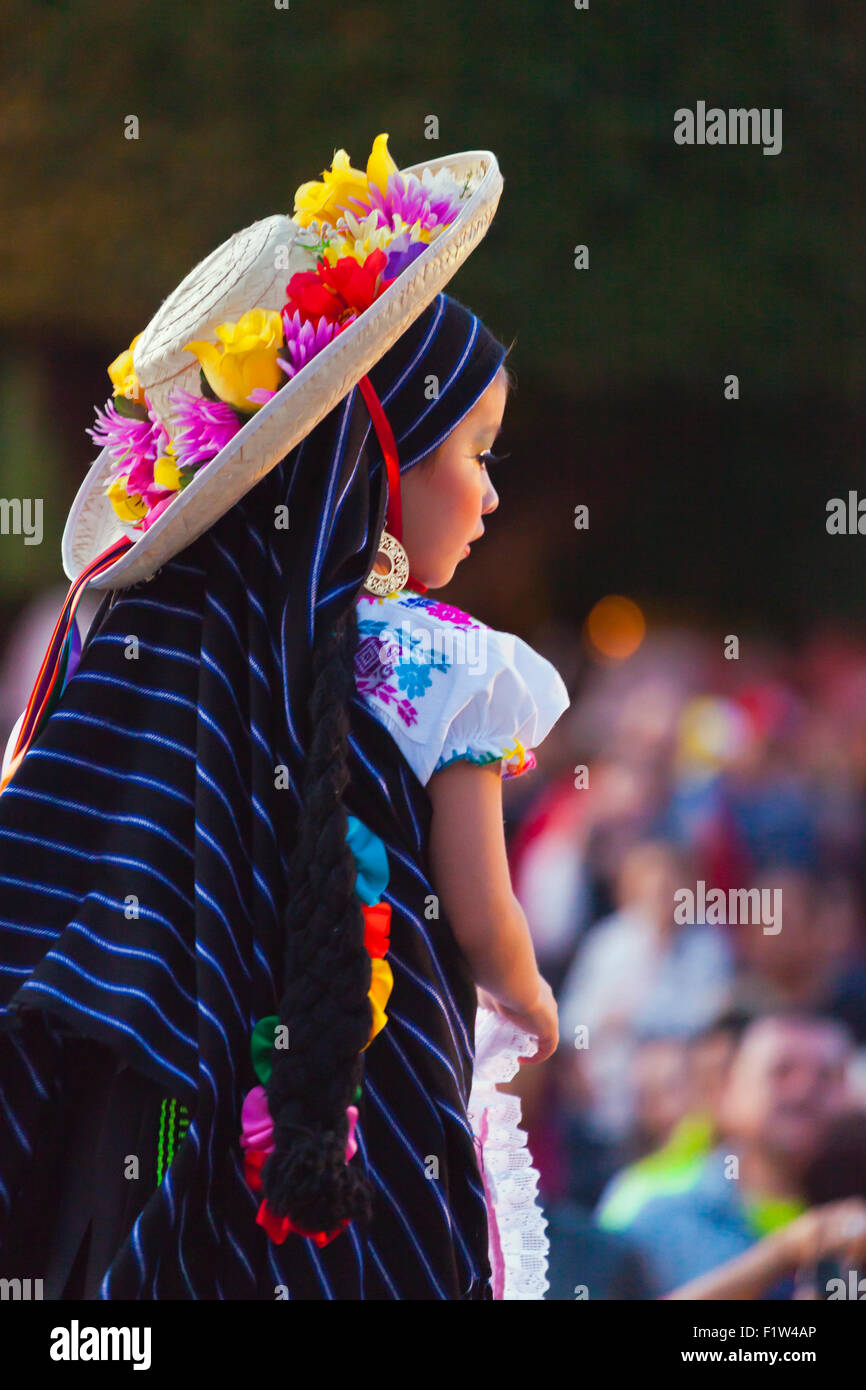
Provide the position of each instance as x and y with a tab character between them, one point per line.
275	815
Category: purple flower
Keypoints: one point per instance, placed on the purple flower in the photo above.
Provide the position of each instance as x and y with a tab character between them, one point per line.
304	340
405	196
204	427
398	258
129	441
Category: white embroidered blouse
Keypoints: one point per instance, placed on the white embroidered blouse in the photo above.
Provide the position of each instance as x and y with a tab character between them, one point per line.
447	686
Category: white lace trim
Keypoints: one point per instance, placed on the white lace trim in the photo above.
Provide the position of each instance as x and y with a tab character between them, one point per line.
519	1257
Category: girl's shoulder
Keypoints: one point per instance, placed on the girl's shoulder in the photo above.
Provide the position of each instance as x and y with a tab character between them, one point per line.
448	686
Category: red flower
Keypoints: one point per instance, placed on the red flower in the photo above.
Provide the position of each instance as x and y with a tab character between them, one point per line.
334	292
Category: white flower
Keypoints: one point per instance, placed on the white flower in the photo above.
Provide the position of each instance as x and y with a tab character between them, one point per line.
443	184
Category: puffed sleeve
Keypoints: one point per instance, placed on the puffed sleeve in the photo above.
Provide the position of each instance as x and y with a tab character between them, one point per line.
447	687
504	710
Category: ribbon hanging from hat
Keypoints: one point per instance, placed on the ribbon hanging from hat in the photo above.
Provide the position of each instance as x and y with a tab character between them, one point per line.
394	512
58	664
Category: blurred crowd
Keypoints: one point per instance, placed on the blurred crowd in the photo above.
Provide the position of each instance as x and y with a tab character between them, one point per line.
701	1131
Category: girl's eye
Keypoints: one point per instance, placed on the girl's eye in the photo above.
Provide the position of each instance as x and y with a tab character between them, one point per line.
489	457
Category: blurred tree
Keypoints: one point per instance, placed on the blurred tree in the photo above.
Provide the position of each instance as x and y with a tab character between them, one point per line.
702	260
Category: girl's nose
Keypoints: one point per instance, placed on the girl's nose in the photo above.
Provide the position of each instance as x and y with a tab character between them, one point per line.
491	499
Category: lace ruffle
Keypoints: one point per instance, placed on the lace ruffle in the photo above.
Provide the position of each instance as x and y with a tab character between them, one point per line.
518	1240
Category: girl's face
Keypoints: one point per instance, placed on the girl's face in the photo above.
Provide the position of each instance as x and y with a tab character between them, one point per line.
445	496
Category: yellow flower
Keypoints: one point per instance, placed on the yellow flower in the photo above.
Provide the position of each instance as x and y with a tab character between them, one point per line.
380	990
324	201
166	472
127	508
380	164
247	360
123	375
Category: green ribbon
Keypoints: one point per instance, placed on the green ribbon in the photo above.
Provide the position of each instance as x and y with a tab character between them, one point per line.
262	1047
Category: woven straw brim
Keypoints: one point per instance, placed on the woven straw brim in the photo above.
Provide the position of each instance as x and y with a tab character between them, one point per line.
270	434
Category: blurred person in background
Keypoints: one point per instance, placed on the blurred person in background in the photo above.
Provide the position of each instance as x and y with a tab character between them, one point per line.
824	1249
816	963
691	1112
615	757
639	976
564	854
788	1079
660	1086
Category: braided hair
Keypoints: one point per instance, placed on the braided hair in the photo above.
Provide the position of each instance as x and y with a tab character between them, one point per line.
327	971
327	974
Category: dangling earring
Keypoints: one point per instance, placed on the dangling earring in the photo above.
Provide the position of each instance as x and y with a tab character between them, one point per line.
395	579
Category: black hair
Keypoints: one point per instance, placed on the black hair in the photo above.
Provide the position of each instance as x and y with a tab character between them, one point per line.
327	973
325	1005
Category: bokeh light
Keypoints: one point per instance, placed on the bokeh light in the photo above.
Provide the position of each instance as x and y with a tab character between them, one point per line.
614	628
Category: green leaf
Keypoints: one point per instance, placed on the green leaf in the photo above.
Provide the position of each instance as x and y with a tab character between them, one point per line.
131	410
206	388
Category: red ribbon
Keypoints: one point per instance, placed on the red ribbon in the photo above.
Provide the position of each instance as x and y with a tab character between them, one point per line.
388	445
44	690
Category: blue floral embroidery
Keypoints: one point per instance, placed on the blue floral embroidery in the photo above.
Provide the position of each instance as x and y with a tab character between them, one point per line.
409	658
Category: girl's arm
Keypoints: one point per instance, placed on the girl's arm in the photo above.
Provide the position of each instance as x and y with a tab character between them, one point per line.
470	873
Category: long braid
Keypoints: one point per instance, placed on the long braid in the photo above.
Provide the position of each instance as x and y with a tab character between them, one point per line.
327	973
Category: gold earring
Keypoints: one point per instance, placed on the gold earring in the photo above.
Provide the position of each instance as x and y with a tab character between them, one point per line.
395	579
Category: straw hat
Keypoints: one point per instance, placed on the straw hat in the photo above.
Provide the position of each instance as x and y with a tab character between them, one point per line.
250	271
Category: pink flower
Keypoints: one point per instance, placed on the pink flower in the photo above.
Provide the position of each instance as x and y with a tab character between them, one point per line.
127	440
157	508
204	427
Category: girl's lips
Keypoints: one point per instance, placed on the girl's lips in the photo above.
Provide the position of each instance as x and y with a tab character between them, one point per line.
466	550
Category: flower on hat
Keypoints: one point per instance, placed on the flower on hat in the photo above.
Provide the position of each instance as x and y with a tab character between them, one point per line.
364	228
337	291
203	427
123	375
402	251
166	472
303	340
128	508
400	243
326	199
129	439
406	197
246	359
145	466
